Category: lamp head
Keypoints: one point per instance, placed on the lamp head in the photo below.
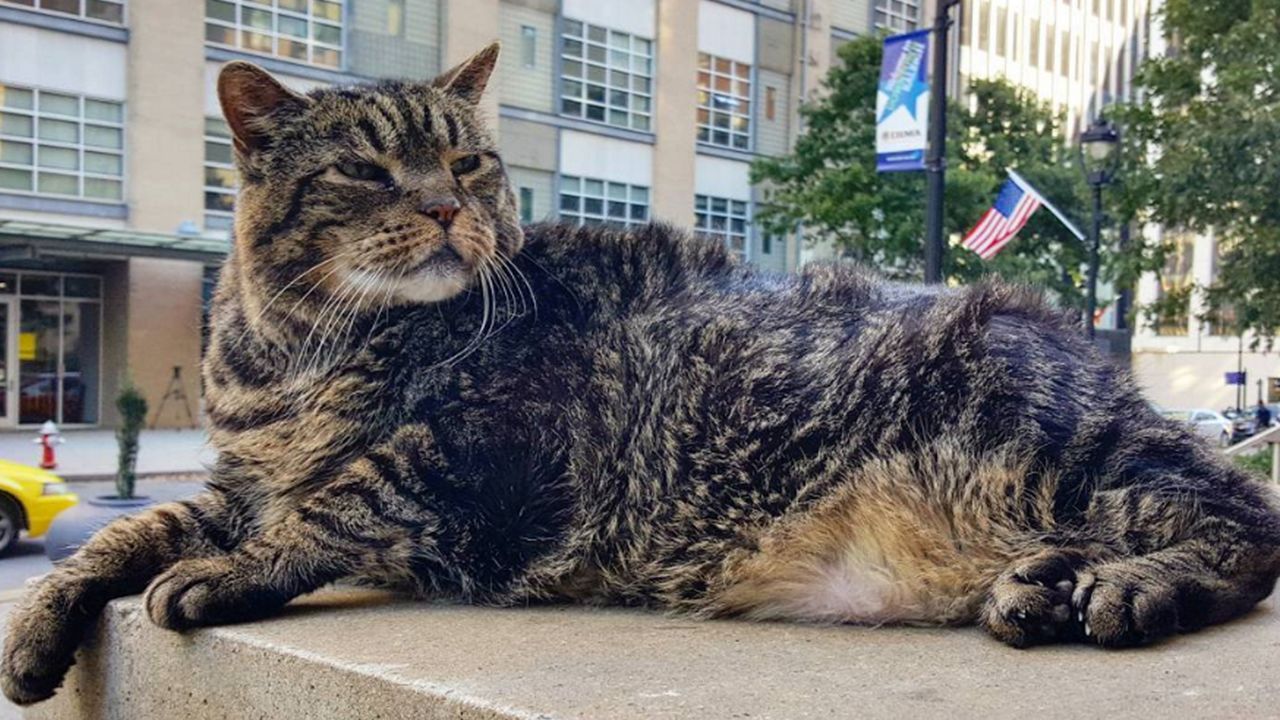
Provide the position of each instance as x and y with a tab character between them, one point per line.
1099	152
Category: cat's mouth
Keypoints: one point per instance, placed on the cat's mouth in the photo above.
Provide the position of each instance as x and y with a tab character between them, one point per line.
438	277
447	260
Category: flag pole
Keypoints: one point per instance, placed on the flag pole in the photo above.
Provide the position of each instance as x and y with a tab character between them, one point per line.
1022	183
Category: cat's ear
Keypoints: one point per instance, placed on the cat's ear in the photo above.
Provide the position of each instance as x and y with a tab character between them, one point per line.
250	98
470	77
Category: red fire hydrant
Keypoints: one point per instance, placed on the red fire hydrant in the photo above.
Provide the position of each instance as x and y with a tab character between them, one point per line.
49	436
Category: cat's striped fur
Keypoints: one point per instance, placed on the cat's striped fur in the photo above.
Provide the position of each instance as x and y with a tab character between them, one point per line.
632	417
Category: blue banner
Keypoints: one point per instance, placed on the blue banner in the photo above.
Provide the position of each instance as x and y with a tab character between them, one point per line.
902	103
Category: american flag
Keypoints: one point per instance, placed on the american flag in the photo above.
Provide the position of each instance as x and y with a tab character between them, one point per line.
1014	206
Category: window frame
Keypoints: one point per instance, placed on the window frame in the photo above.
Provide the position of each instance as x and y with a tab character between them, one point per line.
222	218
38	144
37	6
704	213
528	47
893	15
709	67
636	120
526	198
581	217
239	27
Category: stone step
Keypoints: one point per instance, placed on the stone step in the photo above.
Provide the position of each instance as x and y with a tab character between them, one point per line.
352	654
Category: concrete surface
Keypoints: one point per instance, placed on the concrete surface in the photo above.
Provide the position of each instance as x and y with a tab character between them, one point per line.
359	654
8	711
27	559
92	454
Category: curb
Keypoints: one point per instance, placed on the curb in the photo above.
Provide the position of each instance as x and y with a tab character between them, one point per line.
176	475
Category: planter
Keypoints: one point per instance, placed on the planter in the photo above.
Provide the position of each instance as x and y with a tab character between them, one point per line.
74	527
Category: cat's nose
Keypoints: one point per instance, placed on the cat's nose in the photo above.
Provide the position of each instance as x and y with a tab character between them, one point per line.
442	211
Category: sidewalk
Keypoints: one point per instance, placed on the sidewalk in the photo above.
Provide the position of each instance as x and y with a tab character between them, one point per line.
91	454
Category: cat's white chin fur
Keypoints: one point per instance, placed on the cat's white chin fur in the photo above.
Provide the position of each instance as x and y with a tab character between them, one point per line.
427	286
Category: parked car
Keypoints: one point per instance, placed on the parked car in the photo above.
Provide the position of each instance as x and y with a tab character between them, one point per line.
1244	423
29	500
1214	425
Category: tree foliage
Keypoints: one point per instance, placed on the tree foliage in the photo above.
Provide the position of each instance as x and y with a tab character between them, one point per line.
830	184
1202	145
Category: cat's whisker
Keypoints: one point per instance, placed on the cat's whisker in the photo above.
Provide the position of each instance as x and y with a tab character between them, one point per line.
486	299
339	321
508	294
386	288
357	308
517	272
322	317
519	305
316	285
262	311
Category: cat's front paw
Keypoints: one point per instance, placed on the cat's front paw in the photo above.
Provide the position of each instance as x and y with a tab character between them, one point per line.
1120	605
40	642
209	591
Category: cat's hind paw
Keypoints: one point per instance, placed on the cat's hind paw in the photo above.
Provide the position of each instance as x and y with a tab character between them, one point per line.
1031	603
1122	606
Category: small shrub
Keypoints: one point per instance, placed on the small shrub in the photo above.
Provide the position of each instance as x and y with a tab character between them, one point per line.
1259	462
133	414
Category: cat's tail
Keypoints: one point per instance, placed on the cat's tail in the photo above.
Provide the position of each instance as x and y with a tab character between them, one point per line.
50	622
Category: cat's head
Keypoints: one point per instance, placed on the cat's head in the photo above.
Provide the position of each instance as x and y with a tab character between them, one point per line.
387	193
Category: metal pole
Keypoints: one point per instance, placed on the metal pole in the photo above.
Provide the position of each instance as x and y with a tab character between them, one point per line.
936	162
1240	400
1091	306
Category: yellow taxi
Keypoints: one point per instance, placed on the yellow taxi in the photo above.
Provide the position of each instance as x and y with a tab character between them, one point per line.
29	500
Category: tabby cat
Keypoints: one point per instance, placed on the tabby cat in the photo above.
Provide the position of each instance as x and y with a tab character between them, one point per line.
407	390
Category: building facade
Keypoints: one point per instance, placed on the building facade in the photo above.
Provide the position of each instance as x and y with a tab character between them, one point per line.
117	185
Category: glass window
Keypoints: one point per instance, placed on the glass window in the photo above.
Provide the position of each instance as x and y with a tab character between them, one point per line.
528	46
897	15
59	144
1002	26
526	205
38	336
1034	46
290	29
108	11
606	76
50	285
220	179
587	201
81	286
724	102
59	346
724	219
81	340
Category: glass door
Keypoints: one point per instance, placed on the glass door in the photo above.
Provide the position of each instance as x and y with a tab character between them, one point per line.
8	363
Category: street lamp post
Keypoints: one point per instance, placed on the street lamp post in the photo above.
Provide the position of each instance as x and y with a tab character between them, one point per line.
936	162
1098	161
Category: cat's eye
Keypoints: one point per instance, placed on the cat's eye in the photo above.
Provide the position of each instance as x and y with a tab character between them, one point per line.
464	165
363	171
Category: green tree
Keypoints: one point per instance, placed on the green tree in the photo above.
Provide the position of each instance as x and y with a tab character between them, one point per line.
830	184
1202	145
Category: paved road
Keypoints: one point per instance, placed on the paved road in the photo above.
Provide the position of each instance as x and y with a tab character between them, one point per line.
28	560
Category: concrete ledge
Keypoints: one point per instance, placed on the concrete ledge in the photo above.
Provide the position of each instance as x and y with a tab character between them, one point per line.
358	654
